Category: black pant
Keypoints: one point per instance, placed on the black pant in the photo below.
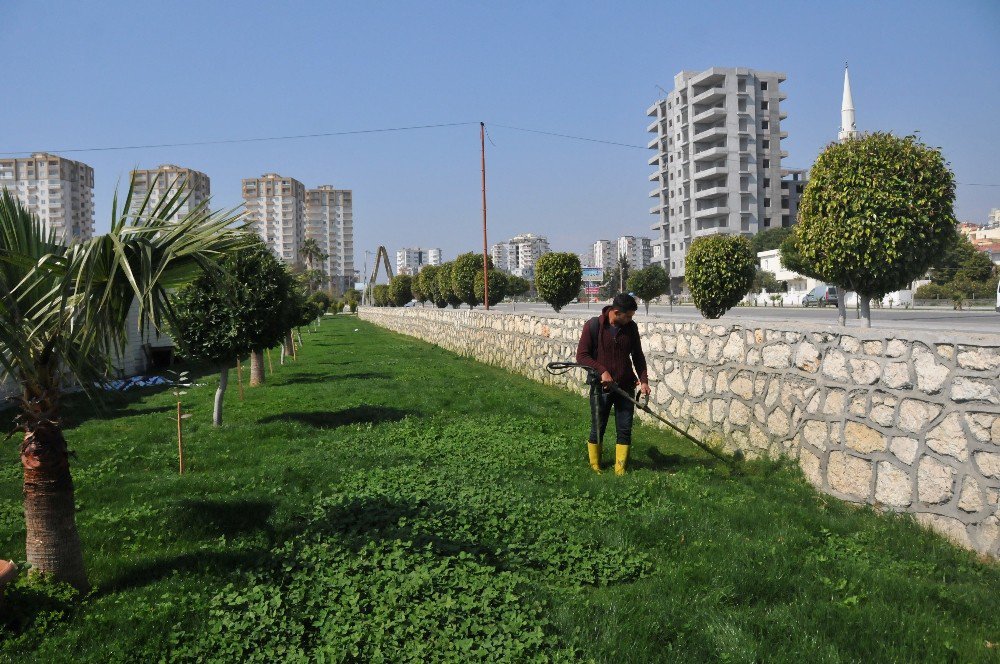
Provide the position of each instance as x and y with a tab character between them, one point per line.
600	410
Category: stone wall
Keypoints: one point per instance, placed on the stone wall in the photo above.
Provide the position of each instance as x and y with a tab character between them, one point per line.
904	421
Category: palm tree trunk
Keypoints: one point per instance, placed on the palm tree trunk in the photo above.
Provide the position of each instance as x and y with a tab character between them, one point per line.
53	543
256	368
220	392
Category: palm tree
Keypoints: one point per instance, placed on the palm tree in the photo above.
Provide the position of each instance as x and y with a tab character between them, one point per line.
311	252
63	317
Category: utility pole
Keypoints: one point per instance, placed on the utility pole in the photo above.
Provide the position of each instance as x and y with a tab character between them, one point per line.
486	276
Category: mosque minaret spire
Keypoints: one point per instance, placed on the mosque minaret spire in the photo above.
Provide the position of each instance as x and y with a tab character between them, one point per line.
848	127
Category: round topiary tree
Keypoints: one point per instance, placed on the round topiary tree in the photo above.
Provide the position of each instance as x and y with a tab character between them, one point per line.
648	283
417	288
498	286
463	277
876	213
380	294
218	319
558	277
444	292
400	289
428	284
719	270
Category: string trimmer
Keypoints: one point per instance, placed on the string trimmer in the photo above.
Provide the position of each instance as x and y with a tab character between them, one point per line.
559	368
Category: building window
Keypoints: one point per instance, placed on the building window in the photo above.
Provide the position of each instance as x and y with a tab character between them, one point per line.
767	202
785	220
784	202
765	124
767	163
763	85
763	105
767	183
765	144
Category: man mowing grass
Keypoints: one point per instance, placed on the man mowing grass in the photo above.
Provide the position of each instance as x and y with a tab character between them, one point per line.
610	344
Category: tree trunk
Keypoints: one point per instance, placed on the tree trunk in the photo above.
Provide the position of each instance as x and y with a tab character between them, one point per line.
842	307
866	313
288	344
220	392
53	543
256	368
281	355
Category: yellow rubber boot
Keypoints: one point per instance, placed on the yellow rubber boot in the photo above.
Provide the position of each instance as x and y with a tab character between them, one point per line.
594	451
621	458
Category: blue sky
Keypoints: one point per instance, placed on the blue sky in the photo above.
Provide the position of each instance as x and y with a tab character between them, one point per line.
80	75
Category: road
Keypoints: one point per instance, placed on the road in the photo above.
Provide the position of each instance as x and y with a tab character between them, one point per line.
930	320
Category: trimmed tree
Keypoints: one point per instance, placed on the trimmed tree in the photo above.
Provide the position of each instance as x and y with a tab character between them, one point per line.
517	286
719	271
219	319
498	286
769	239
417	287
463	277
648	283
877	212
400	289
428	283
558	276
380	294
444	290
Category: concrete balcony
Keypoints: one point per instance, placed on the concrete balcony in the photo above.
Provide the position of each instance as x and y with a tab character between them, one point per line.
714	113
653	126
656	192
712	94
654	177
717	211
653	161
711	153
656	208
711	191
652	110
653	143
714	171
711	132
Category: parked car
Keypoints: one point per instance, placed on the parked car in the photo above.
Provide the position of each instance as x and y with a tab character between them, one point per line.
821	296
411	303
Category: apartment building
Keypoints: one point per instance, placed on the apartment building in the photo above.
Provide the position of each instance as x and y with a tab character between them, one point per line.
604	254
59	191
412	260
638	251
718	158
793	184
329	219
276	210
164	181
518	255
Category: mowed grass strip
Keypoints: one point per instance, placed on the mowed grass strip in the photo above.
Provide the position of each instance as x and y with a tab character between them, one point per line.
381	499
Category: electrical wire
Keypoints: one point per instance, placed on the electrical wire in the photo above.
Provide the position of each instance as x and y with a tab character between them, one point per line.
575	138
247	140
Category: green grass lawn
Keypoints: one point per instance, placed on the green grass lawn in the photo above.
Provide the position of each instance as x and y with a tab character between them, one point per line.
384	500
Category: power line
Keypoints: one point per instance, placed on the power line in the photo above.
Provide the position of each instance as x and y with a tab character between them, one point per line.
246	140
575	138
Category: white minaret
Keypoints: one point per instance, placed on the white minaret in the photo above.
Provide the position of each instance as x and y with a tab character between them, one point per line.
848	128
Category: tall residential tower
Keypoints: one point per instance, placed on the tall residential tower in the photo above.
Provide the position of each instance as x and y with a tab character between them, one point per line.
164	181
330	221
718	158
59	191
276	210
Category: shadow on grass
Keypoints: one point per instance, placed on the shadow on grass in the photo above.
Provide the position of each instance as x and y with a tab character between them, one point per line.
307	378
205	520
359	521
339	418
211	518
657	460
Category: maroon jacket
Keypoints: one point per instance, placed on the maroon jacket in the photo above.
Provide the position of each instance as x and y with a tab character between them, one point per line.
613	354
